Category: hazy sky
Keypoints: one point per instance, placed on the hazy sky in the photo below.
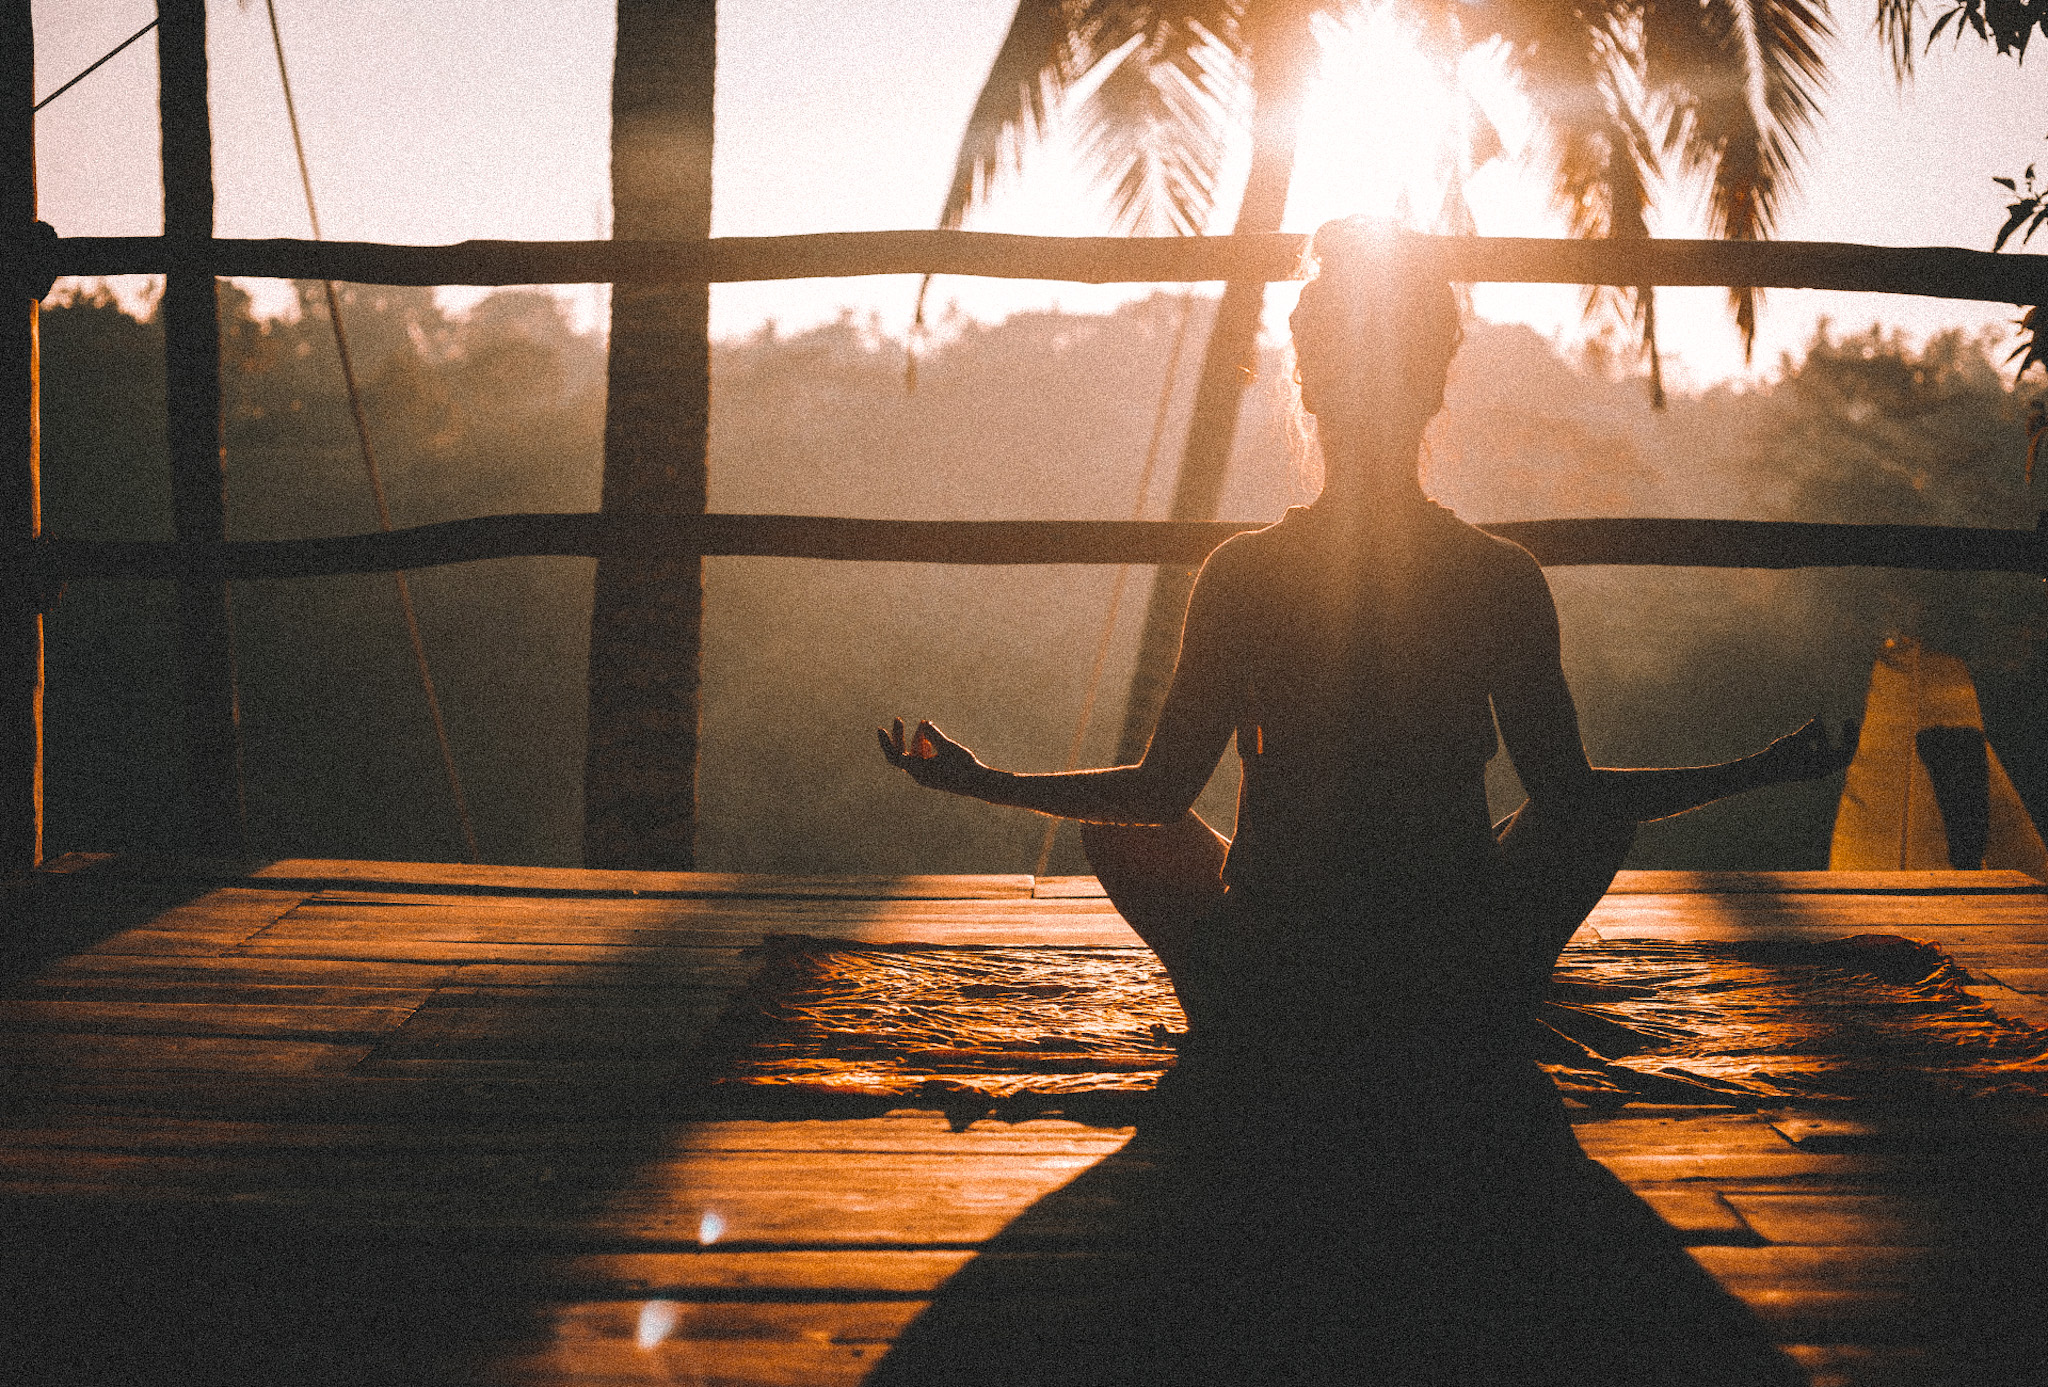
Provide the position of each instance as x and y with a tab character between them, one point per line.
488	118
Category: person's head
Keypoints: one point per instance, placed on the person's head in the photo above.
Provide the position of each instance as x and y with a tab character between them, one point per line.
1374	334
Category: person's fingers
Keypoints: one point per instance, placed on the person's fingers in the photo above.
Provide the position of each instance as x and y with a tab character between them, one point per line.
896	734
888	748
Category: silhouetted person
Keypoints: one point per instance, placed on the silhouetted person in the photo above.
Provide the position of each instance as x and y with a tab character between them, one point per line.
1389	1187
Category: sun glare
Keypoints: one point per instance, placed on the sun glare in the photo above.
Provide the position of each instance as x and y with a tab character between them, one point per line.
1386	123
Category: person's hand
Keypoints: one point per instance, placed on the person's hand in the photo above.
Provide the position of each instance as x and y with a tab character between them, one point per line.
1810	752
932	758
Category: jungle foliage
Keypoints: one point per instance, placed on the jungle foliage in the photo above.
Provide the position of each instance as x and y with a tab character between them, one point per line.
1043	415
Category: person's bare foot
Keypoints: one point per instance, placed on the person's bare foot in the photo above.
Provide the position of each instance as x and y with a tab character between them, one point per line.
1807	754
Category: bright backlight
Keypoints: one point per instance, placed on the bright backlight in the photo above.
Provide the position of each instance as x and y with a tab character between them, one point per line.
1388	125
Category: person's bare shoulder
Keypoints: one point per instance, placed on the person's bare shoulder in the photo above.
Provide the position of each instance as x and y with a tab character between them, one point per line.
1250	554
1501	567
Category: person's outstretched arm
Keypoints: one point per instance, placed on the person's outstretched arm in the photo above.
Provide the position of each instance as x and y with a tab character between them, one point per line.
1194	726
1540	724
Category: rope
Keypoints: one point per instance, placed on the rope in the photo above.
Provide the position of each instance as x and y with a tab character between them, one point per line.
355	409
1123	572
105	58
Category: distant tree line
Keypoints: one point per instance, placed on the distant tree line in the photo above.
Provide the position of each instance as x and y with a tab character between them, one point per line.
1043	415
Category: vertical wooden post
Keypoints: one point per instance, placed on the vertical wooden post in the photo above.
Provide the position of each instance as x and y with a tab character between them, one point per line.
21	640
191	317
640	772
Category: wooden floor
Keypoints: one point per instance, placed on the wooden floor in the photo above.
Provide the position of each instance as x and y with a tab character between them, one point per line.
307	1121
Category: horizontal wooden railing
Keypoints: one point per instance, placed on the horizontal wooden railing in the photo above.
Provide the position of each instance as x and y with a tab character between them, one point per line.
1696	543
1933	271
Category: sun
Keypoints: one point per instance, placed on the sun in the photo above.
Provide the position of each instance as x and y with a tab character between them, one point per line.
1386	122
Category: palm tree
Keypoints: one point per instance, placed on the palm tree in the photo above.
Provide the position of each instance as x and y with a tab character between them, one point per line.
1719	89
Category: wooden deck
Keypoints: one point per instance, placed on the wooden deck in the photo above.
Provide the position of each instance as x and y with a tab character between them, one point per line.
319	1122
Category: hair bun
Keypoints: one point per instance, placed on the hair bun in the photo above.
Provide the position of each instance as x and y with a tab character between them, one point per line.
1368	248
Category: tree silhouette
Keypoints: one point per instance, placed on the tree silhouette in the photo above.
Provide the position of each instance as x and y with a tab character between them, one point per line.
1722	89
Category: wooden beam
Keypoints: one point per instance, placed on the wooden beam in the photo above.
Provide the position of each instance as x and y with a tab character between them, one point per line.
647	602
1941	272
21	620
1556	543
191	317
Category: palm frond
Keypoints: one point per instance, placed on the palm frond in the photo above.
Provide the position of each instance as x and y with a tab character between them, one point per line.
1578	72
1154	127
1035	64
1894	25
1741	82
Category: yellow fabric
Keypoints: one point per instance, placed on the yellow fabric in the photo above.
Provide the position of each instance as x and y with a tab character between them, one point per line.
1889	818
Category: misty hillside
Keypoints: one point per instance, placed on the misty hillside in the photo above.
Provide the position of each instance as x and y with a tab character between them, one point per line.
1043	415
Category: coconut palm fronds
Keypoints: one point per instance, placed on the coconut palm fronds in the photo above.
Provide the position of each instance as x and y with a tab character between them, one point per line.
1740	82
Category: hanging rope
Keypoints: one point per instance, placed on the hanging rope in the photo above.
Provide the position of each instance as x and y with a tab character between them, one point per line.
355	409
1123	572
104	59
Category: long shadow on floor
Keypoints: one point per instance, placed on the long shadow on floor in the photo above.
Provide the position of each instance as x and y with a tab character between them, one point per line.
1297	1261
1297	1264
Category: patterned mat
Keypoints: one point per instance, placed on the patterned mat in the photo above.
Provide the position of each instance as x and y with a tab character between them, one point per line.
1870	1017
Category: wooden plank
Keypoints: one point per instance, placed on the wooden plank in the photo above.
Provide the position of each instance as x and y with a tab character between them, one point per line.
568	880
229	905
598	1035
97	1126
1879	1365
188	943
1092	923
703	966
376	903
1634	917
1979	950
1790	1166
512	881
234	970
1701	1217
303	1022
2020	979
1065	888
1665	883
1834	1132
450	953
2012	1003
810	1346
681	946
923	1132
256	1094
1825	910
1713	1133
749	916
773	1199
850	1274
1931	271
19	1050
325	925
1764	544
75	863
847	1322
1093	930
1887	1219
187	987
853	1196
